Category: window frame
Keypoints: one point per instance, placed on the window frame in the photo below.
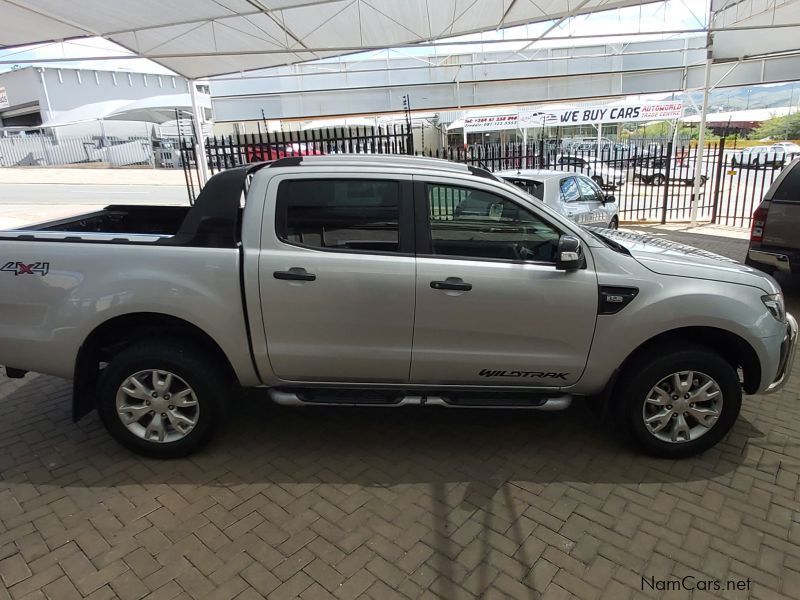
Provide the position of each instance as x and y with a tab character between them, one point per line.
406	224
424	243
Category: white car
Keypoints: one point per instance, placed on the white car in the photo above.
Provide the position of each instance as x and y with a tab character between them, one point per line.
654	172
603	174
574	195
789	148
755	156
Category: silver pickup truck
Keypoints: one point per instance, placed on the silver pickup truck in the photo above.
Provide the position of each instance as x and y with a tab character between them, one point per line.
389	281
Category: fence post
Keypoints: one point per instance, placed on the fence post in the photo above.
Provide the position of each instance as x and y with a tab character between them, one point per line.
718	178
667	173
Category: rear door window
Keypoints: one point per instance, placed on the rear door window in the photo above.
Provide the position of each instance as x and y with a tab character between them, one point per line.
789	188
569	190
340	214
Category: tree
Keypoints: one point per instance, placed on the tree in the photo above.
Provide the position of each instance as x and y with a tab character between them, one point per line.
779	128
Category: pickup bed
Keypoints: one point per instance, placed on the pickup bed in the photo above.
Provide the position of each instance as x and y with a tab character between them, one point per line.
383	280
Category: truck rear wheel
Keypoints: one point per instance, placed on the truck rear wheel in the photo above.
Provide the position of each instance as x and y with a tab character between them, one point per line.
161	399
679	402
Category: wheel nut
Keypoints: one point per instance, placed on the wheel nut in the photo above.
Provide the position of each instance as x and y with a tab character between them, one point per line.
166	396
164	415
675	397
147	402
686	396
669	406
154	394
691	404
171	407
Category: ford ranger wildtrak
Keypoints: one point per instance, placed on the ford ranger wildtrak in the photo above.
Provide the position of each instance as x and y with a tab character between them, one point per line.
383	280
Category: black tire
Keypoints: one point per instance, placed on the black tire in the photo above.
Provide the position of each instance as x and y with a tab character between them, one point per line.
196	368
651	367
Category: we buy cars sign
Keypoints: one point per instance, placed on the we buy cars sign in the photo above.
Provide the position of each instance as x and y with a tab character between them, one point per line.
644	111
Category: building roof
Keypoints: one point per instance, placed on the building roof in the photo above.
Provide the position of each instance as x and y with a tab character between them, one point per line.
753	115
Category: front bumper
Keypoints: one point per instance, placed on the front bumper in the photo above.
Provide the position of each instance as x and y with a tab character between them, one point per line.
788	348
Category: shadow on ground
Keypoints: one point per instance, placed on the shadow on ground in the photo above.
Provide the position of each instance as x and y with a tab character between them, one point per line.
262	442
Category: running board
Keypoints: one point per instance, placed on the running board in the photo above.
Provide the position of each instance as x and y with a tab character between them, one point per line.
455	399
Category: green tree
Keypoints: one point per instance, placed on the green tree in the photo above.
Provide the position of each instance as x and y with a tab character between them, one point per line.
779	128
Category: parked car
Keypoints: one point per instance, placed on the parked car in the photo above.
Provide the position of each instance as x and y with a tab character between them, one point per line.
774	239
605	175
755	156
575	196
655	171
388	281
789	148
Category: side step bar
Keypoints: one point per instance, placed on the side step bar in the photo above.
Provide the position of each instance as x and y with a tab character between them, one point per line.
328	397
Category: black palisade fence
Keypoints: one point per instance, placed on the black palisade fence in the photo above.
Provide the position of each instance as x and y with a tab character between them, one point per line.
225	152
651	179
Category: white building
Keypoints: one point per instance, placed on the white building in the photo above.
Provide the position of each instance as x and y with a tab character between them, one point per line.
35	95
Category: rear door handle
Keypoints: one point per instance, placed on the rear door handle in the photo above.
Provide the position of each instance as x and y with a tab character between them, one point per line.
452	283
295	274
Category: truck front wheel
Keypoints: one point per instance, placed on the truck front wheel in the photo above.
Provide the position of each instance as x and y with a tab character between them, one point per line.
162	399
679	402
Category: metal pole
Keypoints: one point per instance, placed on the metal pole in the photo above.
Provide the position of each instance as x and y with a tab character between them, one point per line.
701	140
200	140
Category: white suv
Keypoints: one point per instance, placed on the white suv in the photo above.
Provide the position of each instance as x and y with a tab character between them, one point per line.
574	195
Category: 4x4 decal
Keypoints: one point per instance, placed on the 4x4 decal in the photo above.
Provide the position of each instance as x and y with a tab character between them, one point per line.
20	268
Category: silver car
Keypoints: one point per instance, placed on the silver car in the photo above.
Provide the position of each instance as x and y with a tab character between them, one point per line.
574	195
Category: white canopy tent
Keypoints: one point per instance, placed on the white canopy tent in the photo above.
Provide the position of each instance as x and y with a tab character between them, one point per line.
200	38
156	109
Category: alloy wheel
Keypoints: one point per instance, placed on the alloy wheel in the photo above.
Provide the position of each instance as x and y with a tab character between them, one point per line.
682	407
157	406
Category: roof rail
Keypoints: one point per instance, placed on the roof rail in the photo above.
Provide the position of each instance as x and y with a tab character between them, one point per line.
397	160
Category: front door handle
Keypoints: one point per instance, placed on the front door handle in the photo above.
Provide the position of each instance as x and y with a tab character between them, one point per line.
294	274
452	283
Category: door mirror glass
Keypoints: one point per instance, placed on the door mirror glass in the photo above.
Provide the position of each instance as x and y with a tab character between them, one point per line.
610	198
570	253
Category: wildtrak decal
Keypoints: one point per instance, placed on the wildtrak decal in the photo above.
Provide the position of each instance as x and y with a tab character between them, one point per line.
20	268
537	374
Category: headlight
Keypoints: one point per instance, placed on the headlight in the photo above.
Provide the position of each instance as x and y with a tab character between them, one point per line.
774	302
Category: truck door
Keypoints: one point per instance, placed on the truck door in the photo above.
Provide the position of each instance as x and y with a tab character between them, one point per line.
491	307
336	275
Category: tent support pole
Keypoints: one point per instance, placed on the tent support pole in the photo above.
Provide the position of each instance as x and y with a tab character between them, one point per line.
199	138
701	139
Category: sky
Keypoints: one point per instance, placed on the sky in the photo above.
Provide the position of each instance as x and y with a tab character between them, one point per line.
652	18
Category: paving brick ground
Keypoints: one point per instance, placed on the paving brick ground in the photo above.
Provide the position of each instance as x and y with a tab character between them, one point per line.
380	504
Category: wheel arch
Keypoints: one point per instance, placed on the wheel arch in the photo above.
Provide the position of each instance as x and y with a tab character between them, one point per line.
732	347
114	335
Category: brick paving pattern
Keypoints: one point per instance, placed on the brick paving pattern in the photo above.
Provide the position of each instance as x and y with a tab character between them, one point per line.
417	503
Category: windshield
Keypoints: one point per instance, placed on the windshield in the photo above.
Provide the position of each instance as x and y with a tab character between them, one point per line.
597	233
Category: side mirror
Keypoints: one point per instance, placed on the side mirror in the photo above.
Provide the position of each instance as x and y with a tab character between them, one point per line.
570	253
610	198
